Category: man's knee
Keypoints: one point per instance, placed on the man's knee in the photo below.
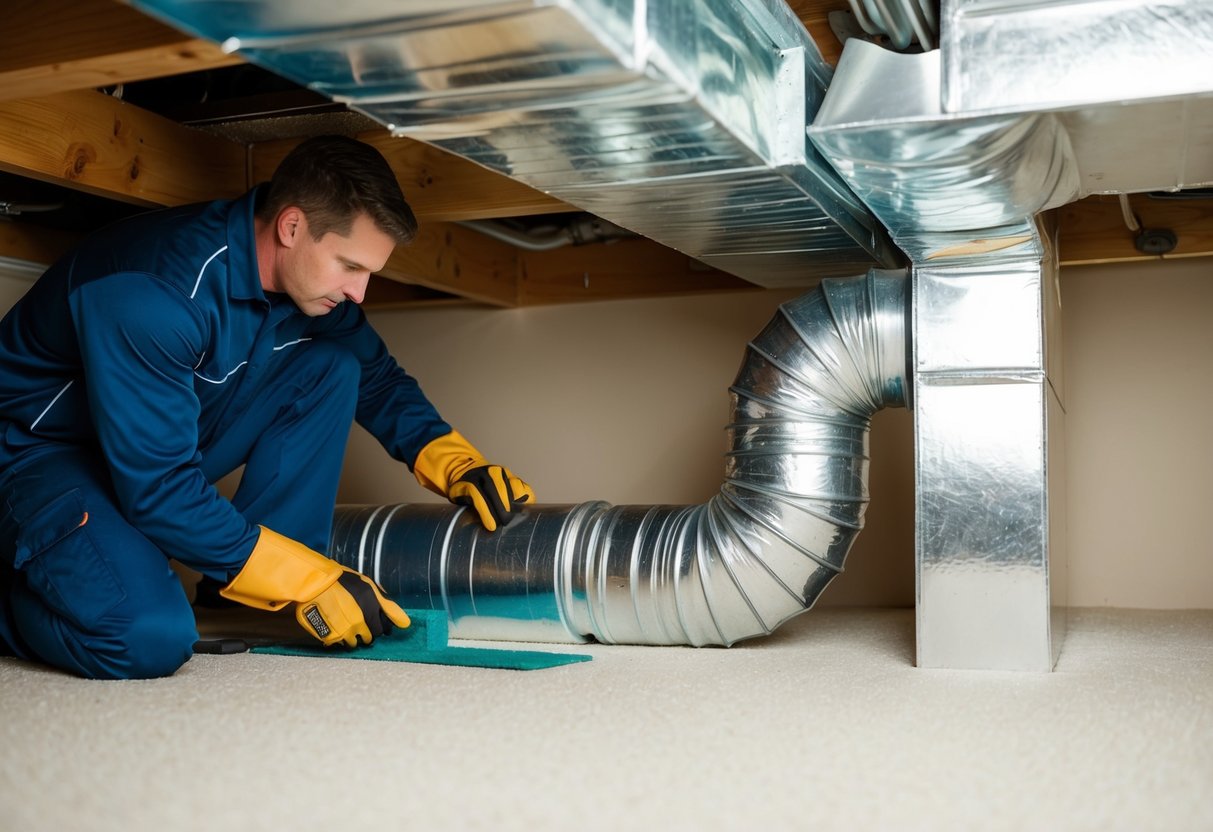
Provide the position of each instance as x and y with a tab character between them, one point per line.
87	593
152	644
128	643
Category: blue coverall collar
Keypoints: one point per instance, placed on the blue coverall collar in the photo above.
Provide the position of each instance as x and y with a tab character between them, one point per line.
242	248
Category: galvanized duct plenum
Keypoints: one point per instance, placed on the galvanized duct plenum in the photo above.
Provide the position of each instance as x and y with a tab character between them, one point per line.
1025	108
738	566
683	122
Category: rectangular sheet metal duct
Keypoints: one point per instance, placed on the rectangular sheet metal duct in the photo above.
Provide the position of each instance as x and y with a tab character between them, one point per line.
1062	54
683	122
989	420
1027	106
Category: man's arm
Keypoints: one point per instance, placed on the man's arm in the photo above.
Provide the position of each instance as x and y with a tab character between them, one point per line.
395	411
140	340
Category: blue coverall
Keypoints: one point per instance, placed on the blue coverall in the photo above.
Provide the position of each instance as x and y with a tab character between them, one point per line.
136	372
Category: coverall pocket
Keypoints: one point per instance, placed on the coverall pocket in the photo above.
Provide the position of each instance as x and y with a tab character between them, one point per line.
61	564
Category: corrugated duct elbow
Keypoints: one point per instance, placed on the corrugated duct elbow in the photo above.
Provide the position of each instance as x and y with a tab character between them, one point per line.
756	554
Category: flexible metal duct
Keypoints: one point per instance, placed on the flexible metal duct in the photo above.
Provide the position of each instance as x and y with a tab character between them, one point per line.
738	566
903	22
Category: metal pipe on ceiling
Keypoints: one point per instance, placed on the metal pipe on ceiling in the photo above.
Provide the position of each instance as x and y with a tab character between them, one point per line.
903	22
577	231
758	553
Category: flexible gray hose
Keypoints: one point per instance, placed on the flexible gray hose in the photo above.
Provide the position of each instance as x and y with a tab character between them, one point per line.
738	566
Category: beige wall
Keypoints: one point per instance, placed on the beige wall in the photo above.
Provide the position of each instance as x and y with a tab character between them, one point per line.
1139	397
625	401
11	289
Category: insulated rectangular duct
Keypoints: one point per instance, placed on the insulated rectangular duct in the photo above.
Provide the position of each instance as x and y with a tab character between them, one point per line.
683	122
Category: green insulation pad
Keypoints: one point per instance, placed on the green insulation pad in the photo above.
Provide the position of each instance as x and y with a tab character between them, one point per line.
425	642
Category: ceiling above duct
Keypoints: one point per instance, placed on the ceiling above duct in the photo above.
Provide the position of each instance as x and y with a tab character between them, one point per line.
681	122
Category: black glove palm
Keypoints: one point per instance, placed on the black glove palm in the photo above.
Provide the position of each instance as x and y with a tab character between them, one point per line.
492	492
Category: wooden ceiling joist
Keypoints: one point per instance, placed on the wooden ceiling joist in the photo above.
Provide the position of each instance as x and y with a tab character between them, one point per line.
621	269
60	45
438	185
454	259
481	268
93	142
815	14
1094	230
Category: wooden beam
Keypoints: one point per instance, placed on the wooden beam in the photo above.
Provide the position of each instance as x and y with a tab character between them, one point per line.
1093	230
438	185
93	142
454	259
417	275
814	14
460	261
611	271
384	293
54	46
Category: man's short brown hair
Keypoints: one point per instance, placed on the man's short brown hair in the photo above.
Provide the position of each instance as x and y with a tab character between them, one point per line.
334	179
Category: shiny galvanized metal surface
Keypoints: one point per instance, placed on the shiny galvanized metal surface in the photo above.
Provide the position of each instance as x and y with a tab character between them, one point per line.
756	554
1059	54
1026	107
923	171
683	122
990	556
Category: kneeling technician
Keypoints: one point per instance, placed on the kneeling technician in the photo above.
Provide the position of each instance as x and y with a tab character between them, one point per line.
163	353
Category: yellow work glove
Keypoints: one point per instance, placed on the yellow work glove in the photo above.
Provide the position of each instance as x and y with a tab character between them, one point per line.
334	603
451	467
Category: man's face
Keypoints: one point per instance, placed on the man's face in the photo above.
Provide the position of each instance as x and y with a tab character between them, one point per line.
319	274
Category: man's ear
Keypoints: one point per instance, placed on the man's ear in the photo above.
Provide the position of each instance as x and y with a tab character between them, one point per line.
290	225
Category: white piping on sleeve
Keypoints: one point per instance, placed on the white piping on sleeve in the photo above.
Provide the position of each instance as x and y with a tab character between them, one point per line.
52	404
198	282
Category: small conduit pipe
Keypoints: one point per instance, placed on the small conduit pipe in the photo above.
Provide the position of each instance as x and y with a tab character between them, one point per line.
756	554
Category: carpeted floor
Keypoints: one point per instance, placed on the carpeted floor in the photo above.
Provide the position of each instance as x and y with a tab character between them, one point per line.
825	725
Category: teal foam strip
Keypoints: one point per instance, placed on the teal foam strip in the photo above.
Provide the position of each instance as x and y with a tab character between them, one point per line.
425	642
